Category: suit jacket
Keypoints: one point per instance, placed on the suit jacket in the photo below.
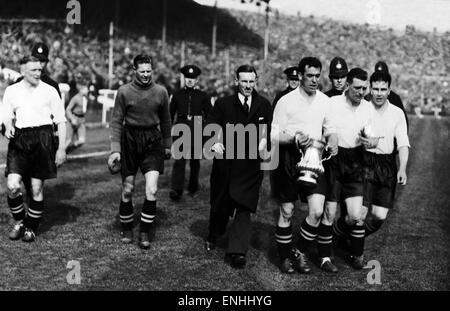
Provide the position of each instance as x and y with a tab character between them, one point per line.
239	178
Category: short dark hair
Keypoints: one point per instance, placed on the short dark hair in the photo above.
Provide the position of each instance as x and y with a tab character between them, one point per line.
142	59
28	58
381	76
310	62
245	68
357	73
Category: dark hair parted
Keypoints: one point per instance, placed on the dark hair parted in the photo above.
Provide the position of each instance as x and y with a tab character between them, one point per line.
245	68
142	59
357	73
310	62
381	76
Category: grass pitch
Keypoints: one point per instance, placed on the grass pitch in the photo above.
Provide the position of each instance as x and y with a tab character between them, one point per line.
80	223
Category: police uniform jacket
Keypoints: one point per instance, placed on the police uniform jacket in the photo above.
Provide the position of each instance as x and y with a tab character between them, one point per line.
241	178
186	104
333	92
189	102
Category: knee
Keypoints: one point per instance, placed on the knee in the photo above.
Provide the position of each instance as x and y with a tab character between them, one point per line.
352	220
127	191
151	191
37	192
287	211
379	216
316	215
14	189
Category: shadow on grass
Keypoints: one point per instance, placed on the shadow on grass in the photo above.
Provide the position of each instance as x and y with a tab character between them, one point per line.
262	238
57	213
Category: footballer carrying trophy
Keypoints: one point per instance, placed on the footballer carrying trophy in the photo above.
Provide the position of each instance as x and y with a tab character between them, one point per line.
310	166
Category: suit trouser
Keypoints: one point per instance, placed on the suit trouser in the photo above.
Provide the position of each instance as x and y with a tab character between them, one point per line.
178	174
240	230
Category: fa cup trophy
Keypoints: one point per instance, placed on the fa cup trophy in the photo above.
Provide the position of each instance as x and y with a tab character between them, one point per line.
310	166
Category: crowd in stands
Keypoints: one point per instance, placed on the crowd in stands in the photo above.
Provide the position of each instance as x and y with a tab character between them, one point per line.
419	61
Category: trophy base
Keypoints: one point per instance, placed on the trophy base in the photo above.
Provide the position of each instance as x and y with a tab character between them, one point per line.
308	179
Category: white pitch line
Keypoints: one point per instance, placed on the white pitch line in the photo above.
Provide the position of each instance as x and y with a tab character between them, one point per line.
77	156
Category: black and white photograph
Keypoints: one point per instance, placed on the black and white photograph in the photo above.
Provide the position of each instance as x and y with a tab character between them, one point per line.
225	151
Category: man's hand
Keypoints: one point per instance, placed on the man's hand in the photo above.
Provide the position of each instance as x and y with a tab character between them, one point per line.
9	132
332	148
60	157
401	177
369	142
114	165
113	158
262	145
301	139
167	153
218	148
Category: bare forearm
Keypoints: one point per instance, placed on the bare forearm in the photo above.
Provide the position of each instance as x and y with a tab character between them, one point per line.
61	134
403	155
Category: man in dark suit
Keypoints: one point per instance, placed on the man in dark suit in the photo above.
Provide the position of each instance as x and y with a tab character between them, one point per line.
189	105
236	175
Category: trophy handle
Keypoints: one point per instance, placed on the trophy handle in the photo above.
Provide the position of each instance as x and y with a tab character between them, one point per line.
329	156
301	152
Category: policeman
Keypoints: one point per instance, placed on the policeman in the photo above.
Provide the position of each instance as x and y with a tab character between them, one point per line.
338	76
293	82
188	105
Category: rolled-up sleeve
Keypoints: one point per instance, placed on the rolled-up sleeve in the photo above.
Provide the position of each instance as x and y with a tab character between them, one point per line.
7	112
57	106
279	119
329	123
401	132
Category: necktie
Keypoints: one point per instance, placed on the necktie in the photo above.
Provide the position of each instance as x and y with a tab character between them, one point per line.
246	108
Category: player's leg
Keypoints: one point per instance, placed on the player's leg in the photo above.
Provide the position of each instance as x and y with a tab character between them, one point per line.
35	210
16	205
357	233
283	236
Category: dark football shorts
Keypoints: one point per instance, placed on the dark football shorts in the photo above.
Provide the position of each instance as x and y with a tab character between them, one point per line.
345	174
142	148
285	176
380	179
32	153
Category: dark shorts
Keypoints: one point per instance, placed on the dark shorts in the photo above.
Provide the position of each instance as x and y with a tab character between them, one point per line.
32	153
285	175
345	174
142	148
380	179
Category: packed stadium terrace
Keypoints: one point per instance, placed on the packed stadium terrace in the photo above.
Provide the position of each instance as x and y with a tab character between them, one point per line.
419	61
